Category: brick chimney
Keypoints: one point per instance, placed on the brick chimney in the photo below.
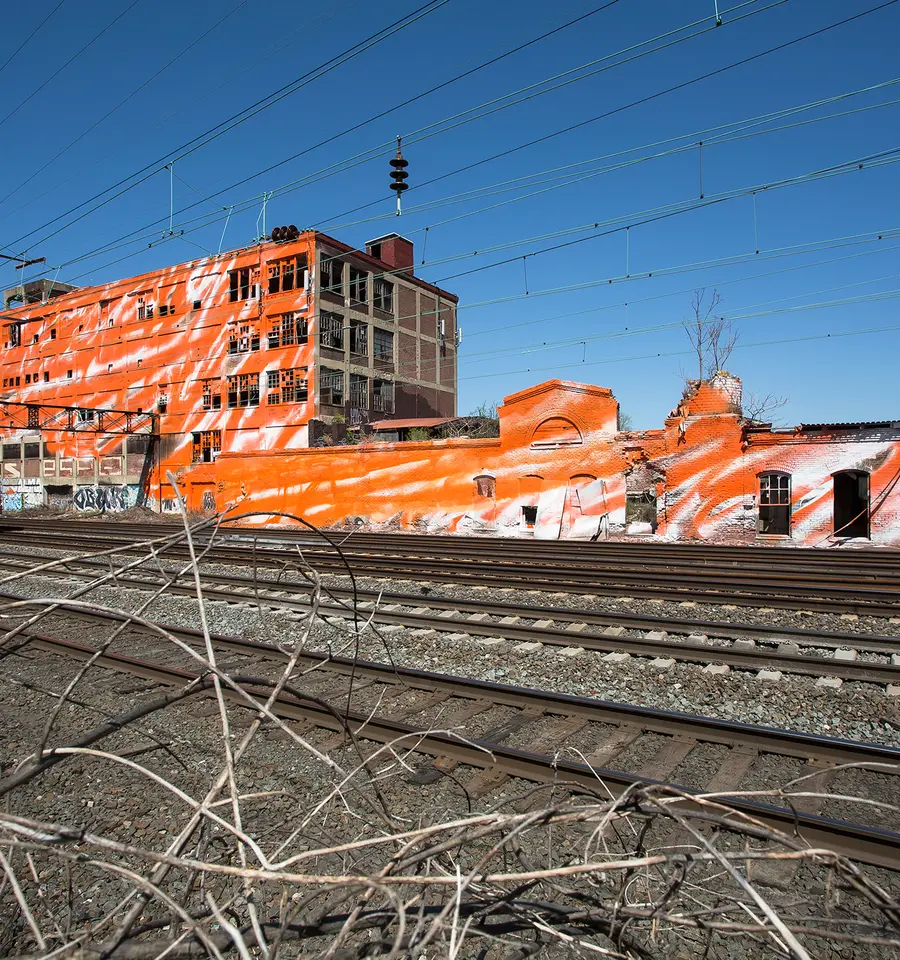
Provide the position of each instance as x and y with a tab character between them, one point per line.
394	250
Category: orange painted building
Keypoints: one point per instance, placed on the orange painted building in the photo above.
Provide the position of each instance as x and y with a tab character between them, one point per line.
245	352
243	360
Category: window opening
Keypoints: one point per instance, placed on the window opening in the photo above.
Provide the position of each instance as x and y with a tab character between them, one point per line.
359	338
359	392
12	451
288	330
68	374
529	515
243	390
383	294
851	504
775	504
331	387
198	304
205	446
46	376
243	340
331	331
32	451
331	275
382	344
358	285
383	396
212	394
141	310
53	334
239	286
288	274
287	386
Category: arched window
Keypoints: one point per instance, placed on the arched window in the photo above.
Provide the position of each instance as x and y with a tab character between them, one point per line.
775	503
556	432
851	503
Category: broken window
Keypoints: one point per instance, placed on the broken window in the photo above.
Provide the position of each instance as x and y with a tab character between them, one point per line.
358	285
529	516
287	274
331	274
331	331
288	330
14	334
383	396
141	309
287	386
383	344
53	334
243	390
205	446
359	338
32	451
851	504
212	394
84	416
12	451
331	387
239	285
46	376
244	340
149	311
383	294
485	486
775	504
359	391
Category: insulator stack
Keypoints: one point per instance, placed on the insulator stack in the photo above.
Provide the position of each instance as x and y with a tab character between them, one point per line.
283	234
399	175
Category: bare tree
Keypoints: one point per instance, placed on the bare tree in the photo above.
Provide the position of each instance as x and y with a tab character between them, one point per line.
723	339
758	407
697	328
624	421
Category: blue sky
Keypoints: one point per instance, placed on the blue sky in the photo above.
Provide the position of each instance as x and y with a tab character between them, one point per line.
817	235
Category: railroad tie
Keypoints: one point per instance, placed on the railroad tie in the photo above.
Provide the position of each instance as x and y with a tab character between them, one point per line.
433	770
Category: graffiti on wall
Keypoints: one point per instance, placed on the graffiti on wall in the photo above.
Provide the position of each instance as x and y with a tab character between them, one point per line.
112	498
23	494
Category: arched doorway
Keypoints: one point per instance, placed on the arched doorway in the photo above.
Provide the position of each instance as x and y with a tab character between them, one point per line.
851	504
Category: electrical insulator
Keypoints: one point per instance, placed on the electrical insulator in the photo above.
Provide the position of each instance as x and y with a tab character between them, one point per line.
399	175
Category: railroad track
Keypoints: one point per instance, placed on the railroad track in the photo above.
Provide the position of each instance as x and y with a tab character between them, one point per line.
580	572
504	731
834	654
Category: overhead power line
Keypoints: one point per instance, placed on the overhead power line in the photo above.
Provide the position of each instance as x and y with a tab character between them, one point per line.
681	353
27	40
71	59
125	100
208	136
633	103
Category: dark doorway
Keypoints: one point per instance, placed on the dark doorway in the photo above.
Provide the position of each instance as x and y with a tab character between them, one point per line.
851	504
775	504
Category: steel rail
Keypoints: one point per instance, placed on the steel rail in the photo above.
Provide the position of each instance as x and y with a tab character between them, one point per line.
855	557
680	586
246	586
866	844
789	568
682	651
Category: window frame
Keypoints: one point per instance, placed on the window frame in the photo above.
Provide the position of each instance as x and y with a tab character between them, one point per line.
776	500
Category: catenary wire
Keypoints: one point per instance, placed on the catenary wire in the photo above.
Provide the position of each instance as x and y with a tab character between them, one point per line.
151	169
634	103
125	100
364	157
71	59
27	40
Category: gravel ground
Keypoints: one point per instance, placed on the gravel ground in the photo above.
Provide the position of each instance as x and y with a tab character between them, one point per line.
121	804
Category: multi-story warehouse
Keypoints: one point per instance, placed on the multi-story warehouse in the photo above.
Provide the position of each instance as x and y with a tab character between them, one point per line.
247	351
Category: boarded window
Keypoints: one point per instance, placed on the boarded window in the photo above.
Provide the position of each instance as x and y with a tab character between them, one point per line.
485	486
556	432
